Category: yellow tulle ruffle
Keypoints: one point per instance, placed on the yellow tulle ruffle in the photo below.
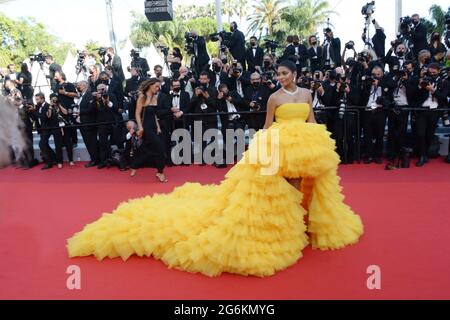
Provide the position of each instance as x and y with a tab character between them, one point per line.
249	224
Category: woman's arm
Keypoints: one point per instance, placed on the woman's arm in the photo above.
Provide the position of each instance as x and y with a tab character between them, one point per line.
271	106
158	128
139	106
311	118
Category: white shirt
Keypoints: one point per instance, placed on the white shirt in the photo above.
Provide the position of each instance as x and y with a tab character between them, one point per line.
431	102
175	99
400	96
297	53
254	52
374	94
217	80
231	108
239	88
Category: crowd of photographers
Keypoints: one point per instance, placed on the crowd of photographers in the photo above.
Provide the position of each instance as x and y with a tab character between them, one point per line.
354	94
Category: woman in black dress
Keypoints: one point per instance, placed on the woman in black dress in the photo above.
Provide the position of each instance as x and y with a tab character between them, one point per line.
152	150
24	82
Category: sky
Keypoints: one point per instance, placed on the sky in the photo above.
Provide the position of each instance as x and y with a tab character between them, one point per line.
82	20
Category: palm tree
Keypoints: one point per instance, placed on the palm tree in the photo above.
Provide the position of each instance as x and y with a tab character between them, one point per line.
306	15
229	8
437	18
266	15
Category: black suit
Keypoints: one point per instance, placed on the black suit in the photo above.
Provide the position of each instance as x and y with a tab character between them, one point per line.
116	64
254	60
131	89
231	124
419	39
184	106
49	127
379	43
289	51
222	77
237	46
106	132
261	96
88	115
202	60
335	52
315	58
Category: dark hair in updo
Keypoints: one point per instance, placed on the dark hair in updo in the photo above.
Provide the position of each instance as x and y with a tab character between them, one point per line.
288	64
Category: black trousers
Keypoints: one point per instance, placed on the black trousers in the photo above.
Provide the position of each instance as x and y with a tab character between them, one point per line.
26	158
346	134
256	121
397	127
105	134
374	123
230	125
68	141
90	139
206	125
426	124
49	156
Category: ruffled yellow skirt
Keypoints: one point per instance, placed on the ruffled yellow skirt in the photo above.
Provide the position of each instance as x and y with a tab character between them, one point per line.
252	223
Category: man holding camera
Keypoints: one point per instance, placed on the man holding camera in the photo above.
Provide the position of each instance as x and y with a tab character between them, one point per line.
377	96
111	59
165	82
254	56
418	35
331	50
229	102
432	94
255	97
132	91
50	126
400	57
204	102
200	52
236	44
67	93
88	116
105	105
53	68
140	63
217	75
237	78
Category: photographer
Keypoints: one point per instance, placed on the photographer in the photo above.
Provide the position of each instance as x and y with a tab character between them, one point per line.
301	54
27	116
315	54
106	106
132	146
401	55
254	56
237	78
432	94
61	114
132	91
165	82
289	51
111	59
418	35
94	74
66	93
88	116
200	52
11	73
175	59
217	75
53	68
331	50
378	40
204	102
404	95
255	97
377	96
114	87
187	80
236	44
230	102
140	63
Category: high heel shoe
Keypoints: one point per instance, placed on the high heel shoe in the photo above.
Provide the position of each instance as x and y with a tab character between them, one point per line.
132	173
161	177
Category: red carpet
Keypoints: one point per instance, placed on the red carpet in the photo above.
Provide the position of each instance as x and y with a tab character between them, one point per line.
407	233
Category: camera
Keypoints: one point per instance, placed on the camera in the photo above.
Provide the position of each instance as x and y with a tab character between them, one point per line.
189	43
368	8
425	82
134	54
164	50
80	62
202	87
102	51
405	25
362	57
350	45
267	77
226	36
396	43
40	57
271	45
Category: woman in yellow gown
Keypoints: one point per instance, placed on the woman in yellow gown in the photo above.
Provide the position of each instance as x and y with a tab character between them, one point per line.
283	195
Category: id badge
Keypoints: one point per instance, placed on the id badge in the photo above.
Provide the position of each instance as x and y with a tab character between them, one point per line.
62	124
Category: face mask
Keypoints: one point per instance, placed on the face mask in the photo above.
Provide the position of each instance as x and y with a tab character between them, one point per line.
256	84
313	43
217	68
427	61
266	64
104	81
436	38
415	22
253	44
400	53
176	89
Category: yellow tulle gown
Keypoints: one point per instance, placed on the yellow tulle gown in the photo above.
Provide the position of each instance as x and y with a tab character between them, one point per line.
252	223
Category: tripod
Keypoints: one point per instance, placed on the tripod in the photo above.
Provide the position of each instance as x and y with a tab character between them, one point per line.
166	64
41	69
367	40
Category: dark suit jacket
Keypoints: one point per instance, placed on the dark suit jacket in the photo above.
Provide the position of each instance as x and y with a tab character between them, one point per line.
254	60
195	106
203	57
315	58
379	43
387	85
441	93
238	102
105	113
237	45
288	52
419	39
117	68
88	114
335	51
213	77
